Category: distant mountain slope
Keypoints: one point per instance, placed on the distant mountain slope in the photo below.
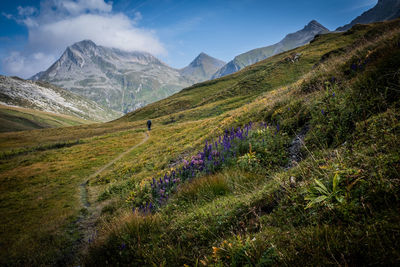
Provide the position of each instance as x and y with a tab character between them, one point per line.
202	68
119	80
382	11
291	41
46	97
215	97
19	119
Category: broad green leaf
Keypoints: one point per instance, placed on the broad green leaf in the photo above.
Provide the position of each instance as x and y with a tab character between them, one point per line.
319	199
322	187
336	180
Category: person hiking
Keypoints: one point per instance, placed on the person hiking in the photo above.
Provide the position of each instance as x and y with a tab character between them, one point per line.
149	125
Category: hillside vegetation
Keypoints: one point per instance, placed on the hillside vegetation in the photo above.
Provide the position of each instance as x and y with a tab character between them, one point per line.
20	119
313	180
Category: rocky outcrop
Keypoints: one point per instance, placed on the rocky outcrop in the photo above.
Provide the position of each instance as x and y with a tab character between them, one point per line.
42	96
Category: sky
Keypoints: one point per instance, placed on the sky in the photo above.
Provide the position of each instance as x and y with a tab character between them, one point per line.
35	33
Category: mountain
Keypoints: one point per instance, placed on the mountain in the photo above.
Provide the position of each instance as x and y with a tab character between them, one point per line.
291	41
382	11
14	119
43	96
120	80
202	68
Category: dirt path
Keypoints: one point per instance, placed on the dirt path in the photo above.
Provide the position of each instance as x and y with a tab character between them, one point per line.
84	194
87	222
118	157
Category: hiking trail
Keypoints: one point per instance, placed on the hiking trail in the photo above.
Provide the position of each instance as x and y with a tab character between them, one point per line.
87	221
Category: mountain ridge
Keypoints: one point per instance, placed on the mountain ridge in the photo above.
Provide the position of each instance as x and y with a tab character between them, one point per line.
384	10
46	97
202	68
120	80
291	40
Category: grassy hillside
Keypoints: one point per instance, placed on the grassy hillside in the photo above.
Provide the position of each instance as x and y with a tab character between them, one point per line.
20	119
214	97
250	202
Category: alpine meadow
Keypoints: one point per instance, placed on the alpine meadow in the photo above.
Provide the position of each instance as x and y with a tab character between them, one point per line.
290	160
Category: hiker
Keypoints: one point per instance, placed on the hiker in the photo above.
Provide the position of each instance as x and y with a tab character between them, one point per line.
149	125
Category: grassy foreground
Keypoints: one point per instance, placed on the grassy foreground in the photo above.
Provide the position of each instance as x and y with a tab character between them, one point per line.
338	206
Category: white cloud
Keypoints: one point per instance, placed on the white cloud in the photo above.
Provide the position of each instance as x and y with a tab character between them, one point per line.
26	65
77	7
26	11
59	24
8	16
108	30
361	5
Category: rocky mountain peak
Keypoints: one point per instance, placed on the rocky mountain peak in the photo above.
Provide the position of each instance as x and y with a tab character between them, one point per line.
203	58
86	47
85	43
202	68
312	25
118	79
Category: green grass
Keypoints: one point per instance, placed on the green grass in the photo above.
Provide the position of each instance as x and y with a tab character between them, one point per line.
257	214
20	119
248	83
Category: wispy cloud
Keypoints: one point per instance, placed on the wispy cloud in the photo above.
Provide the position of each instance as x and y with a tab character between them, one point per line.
361	5
58	24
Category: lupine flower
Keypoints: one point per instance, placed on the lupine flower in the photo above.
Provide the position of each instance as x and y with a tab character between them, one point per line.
322	112
206	161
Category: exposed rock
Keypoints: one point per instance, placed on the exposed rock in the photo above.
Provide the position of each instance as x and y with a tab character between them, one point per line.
293	57
295	148
42	96
120	80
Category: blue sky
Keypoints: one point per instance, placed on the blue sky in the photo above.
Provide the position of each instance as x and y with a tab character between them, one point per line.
33	34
